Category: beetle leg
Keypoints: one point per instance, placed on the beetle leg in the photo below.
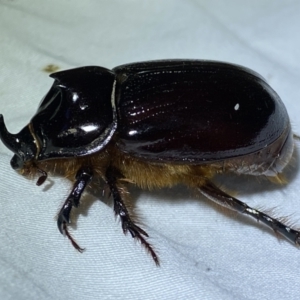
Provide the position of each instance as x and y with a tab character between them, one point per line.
83	177
121	211
212	192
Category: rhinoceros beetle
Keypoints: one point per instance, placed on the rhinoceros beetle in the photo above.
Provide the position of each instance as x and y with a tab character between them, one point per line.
156	124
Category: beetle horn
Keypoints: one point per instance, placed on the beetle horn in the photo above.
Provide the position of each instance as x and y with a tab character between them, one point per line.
22	144
8	139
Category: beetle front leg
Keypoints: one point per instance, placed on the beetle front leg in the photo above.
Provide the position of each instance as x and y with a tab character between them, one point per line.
212	192
83	177
120	210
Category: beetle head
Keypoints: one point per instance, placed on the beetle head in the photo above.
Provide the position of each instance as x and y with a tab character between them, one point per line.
77	117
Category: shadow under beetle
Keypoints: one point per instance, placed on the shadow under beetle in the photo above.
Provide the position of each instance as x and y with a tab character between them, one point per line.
156	124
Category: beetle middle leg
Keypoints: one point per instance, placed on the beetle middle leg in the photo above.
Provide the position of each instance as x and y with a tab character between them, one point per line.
83	177
212	192
120	210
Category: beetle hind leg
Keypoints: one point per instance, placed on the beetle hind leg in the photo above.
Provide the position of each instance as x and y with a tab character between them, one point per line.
120	210
212	192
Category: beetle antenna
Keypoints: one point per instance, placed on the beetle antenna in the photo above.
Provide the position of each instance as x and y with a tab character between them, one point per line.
42	178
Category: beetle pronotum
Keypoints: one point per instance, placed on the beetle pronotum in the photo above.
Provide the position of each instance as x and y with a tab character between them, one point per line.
156	124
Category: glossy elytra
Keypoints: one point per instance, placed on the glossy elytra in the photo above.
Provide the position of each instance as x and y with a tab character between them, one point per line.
156	124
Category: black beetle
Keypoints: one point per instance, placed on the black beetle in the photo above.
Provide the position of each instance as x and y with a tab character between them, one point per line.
156	124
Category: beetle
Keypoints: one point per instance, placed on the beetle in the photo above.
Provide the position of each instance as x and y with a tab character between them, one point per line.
156	124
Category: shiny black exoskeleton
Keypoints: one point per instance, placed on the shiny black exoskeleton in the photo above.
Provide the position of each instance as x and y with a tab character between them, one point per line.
156	124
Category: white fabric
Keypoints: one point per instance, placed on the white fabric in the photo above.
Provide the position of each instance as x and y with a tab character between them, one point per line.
205	253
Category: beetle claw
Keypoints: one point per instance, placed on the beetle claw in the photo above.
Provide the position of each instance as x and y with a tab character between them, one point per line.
138	233
66	232
61	221
62	224
134	230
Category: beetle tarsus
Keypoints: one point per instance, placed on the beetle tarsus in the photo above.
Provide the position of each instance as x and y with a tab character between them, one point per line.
69	236
212	192
126	221
83	177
